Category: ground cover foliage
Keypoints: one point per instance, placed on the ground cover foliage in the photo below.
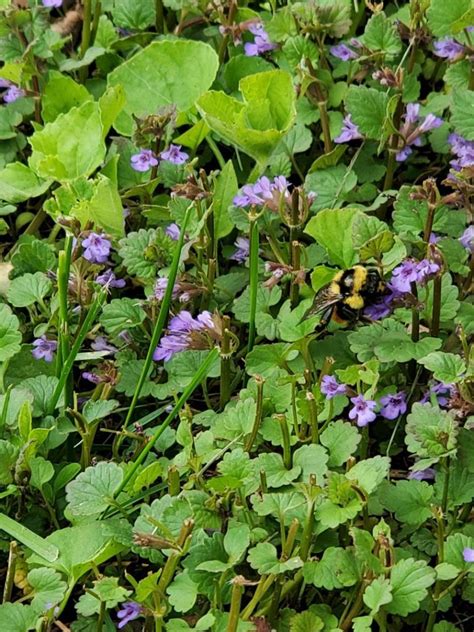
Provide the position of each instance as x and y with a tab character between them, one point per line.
181	447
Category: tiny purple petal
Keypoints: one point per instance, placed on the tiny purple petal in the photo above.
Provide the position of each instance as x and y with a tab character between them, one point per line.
243	250
343	52
423	475
50	4
430	122
108	278
12	94
468	554
362	410
174	155
403	154
173	231
44	349
129	611
101	344
144	160
331	387
349	131
467	239
261	43
393	405
96	248
403	275
448	48
91	377
412	113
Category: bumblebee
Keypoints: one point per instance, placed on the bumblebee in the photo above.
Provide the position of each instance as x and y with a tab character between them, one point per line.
350	291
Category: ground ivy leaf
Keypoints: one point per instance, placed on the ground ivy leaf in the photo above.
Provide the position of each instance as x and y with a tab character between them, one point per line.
449	300
445	571
121	314
266	298
277	474
409	579
446	367
10	336
370	472
341	440
410	501
306	622
19	183
367	107
93	490
453	550
362	624
71	146
380	34
28	289
182	592
442	16
108	592
285	507
460	484
16	617
263	558
342	502
430	432
48	588
265	359
332	186
377	594
336	569
313	460
145	251
332	228
225	189
33	256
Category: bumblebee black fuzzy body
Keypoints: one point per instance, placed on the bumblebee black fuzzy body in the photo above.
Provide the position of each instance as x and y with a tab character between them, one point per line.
344	299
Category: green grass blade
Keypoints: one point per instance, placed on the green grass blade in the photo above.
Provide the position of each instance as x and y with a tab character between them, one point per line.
253	281
30	539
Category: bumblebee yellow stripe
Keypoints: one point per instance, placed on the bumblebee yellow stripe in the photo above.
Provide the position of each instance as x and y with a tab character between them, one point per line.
355	301
360	277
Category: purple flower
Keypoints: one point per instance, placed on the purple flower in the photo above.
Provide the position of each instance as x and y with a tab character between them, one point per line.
448	48
261	43
13	93
175	155
393	405
91	377
101	344
467	239
96	248
463	150
160	289
342	51
52	3
243	250
173	231
403	275
178	339
144	160
4	83
363	410
331	387
403	154
468	554
443	393
349	131
412	113
430	122
380	309
44	349
426	269
109	279
129	611
260	192
423	475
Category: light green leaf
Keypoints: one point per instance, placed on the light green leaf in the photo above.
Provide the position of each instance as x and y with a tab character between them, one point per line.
430	432
380	34
121	314
257	124
443	16
332	228
93	490
8	457
463	113
367	107
377	594
225	189
28	289
147	476
31	540
48	588
10	336
446	367
313	460
42	471
341	440
135	16
453	551
60	94
410	501
265	359
104	208
445	571
336	569
331	186
306	622
370	472
19	183
17	617
410	579
277	474
106	590
164	73
182	592
236	541
263	558
71	146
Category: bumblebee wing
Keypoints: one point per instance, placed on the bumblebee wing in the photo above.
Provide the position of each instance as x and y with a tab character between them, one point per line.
323	300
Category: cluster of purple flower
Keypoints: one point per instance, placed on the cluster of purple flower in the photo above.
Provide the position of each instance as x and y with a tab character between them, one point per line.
412	129
393	405
180	327
261	43
129	611
448	48
12	92
463	150
178	292
349	131
44	349
243	250
467	239
262	192
344	52
96	248
146	158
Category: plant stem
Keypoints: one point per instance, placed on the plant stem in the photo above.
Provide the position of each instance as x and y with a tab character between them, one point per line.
160	323
160	18
393	148
226	363
259	381
86	27
287	456
8	586
295	264
313	417
253	281
436	314
80	337
415	316
307	532
235	601
197	379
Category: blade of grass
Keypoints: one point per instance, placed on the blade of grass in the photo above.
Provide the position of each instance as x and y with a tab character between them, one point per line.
253	280
197	379
160	323
30	539
80	337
